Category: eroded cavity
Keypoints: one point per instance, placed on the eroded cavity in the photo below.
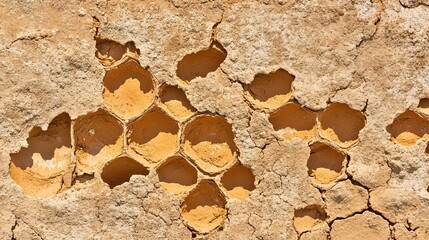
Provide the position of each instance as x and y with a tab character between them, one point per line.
128	90
201	63
204	208
238	181
38	168
153	137
120	170
209	141
325	164
98	137
423	106
177	175
293	120
308	218
270	90
110	52
174	101
341	124
408	127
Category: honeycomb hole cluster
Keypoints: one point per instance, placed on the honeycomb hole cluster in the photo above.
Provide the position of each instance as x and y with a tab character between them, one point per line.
142	127
329	134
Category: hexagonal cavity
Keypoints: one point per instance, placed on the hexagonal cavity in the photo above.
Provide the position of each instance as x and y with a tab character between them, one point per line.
128	90
120	170
201	63
177	175
238	182
325	164
270	91
173	100
153	137
309	218
110	52
408	127
204	208
38	168
423	106
292	120
209	142
341	124
98	138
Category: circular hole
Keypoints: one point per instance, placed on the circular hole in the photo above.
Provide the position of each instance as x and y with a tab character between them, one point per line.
98	138
209	141
308	218
153	137
238	181
294	121
174	101
270	90
408	127
120	170
38	168
176	175
108	51
204	208
128	90
341	123
325	163
201	63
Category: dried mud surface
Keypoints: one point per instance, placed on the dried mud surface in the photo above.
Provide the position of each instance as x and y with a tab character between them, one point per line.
225	119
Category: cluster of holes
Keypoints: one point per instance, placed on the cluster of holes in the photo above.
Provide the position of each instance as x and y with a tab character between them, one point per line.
329	133
410	126
141	128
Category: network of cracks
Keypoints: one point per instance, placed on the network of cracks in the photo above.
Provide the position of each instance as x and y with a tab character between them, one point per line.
145	126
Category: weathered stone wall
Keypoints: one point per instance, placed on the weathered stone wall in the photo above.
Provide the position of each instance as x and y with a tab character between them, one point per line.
182	119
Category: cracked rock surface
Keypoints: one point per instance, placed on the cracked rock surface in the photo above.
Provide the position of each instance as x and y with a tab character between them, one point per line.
255	174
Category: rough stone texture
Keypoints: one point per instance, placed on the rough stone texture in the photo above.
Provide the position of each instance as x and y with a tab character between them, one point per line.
371	55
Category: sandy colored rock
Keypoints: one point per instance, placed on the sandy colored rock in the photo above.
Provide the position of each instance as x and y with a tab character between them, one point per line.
325	163
345	199
128	90
153	137
174	101
176	175
56	56
366	225
309	218
270	91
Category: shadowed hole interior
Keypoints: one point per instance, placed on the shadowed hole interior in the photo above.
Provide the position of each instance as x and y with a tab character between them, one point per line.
408	127
204	208
120	170
177	175
273	88
325	163
176	102
343	120
95	131
293	116
427	148
201	63
44	144
309	217
424	103
38	168
154	135
109	51
129	89
209	140
239	181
